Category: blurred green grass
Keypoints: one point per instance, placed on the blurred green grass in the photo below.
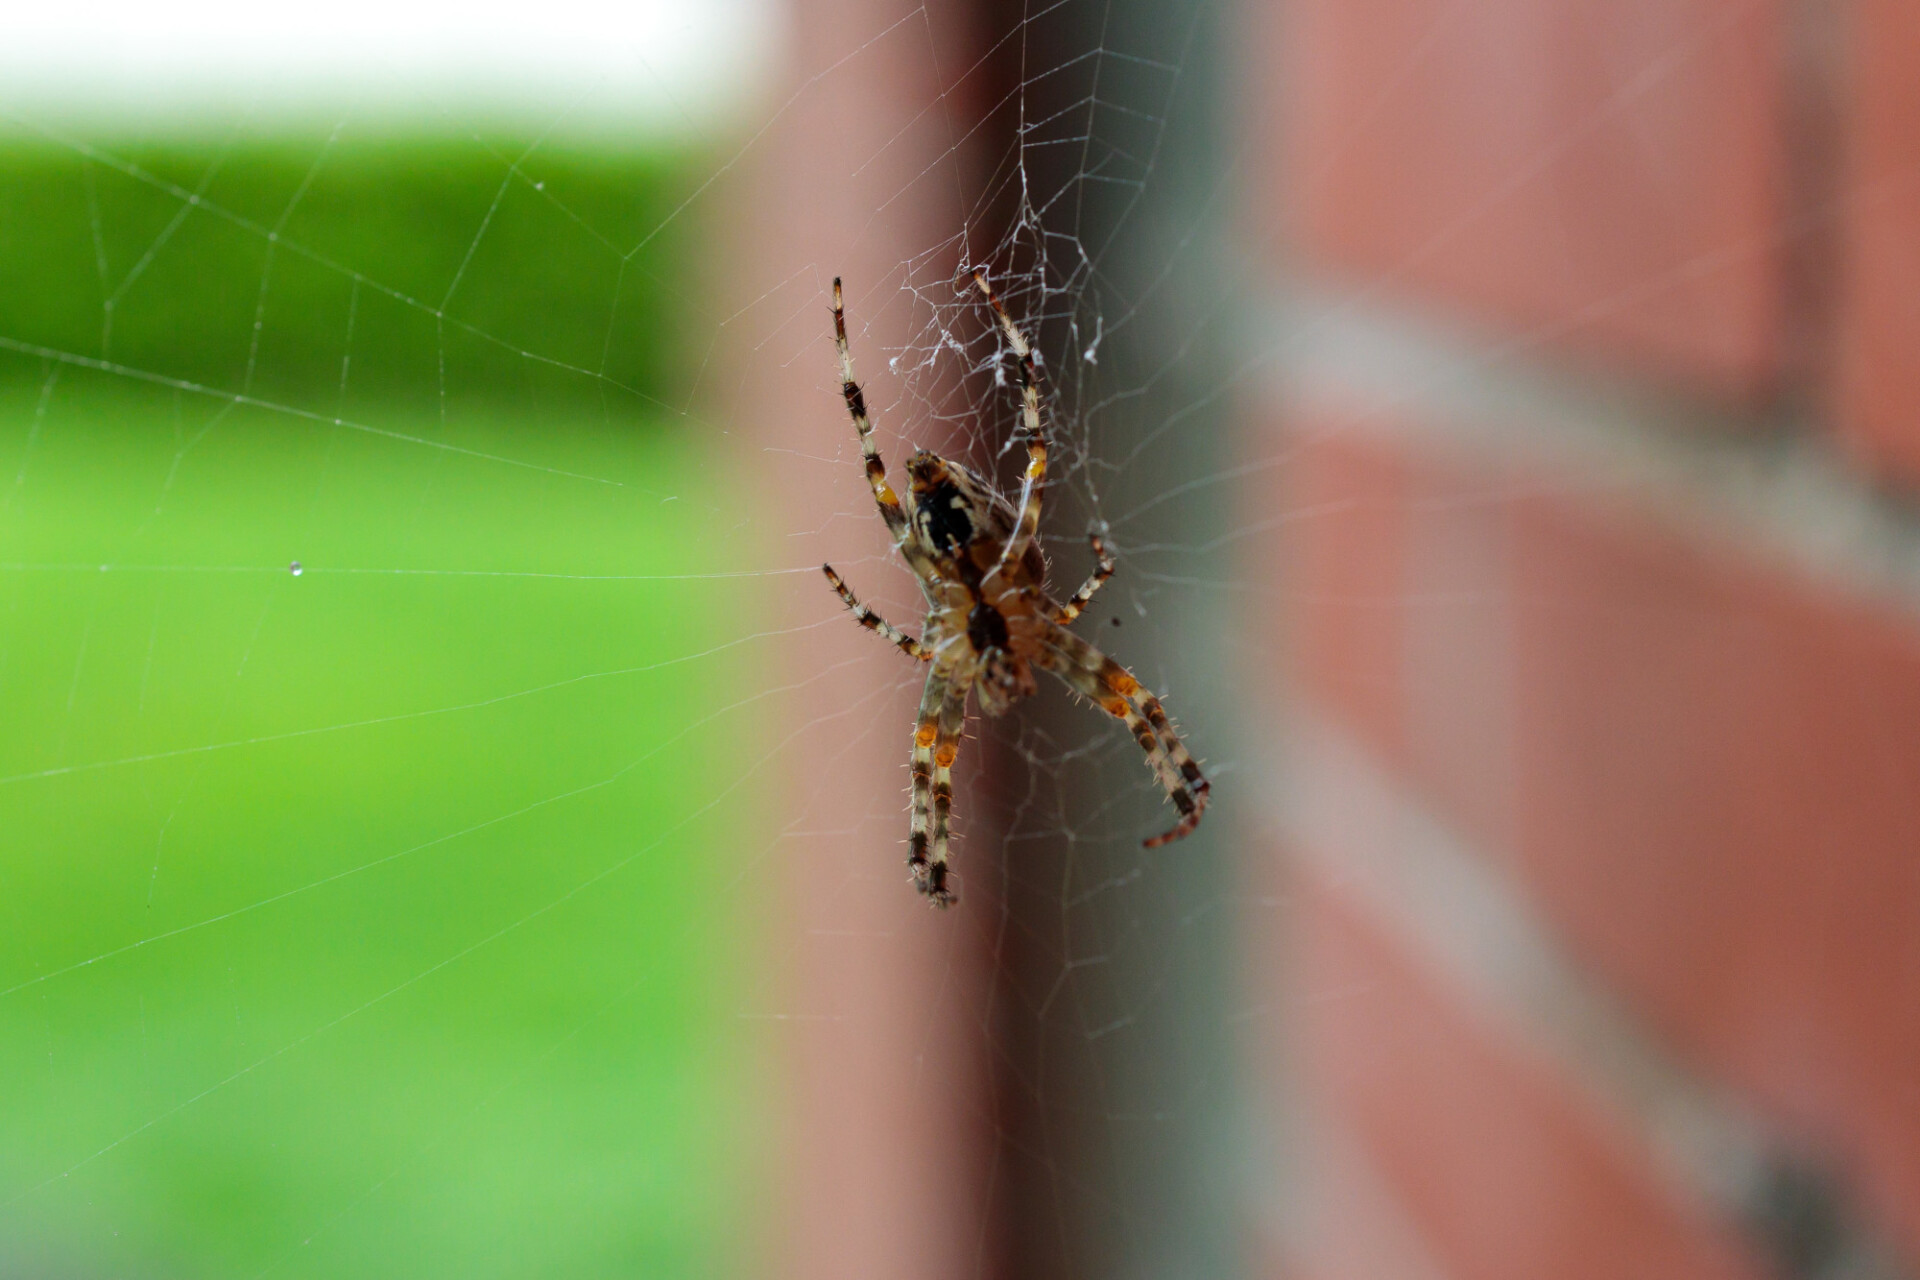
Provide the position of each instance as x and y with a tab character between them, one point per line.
363	923
468	272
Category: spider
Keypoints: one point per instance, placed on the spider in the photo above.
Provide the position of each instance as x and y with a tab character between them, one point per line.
990	621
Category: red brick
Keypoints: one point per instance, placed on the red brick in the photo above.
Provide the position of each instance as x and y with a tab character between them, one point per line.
1503	1165
1721	804
1396	583
1880	222
1602	173
1715	795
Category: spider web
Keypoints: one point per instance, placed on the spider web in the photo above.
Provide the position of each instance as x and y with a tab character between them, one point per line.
471	834
285	537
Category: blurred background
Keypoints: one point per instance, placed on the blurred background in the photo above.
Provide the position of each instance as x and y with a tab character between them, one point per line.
448	828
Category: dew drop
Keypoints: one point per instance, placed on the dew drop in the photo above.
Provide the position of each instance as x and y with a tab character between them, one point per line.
295	569
539	186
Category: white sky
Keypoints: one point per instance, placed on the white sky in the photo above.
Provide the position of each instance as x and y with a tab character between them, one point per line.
661	65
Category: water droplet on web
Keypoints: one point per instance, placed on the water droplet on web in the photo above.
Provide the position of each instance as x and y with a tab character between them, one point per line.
295	569
539	186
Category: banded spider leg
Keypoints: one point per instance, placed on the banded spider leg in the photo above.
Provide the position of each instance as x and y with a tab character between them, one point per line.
933	756
1032	486
1103	569
1111	687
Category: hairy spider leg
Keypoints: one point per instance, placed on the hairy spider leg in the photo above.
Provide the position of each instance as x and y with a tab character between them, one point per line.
928	877
946	746
1112	688
1032	486
874	622
883	494
1103	570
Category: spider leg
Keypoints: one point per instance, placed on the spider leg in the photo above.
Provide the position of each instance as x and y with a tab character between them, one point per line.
946	746
1067	612
883	494
1031	487
928	877
874	622
1112	688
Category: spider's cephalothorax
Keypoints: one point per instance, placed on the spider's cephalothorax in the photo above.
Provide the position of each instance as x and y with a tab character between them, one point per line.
990	621
965	526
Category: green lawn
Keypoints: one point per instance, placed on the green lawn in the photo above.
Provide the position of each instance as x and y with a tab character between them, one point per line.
367	923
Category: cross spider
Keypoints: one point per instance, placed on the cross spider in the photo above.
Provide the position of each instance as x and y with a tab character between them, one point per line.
989	618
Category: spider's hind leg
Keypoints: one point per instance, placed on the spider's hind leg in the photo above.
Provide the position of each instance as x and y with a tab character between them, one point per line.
1113	689
946	746
927	838
1103	569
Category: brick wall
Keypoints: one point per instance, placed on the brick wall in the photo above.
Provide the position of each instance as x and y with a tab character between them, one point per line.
1591	887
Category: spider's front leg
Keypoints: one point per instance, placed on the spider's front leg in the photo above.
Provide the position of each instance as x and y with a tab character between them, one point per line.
874	622
883	494
1112	688
1032	486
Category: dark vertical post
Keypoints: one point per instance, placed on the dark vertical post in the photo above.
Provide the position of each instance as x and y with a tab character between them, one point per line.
1117	1079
